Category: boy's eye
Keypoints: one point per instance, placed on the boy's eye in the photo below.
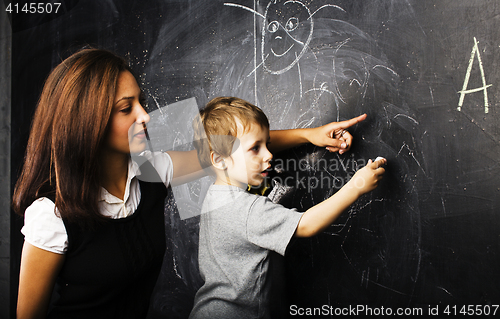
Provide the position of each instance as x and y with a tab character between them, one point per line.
255	148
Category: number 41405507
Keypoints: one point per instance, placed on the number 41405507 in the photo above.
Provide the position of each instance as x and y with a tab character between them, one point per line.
33	7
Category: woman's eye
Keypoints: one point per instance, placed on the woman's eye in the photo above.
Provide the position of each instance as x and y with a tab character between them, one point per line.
127	109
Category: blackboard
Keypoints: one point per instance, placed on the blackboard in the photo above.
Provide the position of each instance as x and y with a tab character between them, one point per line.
425	72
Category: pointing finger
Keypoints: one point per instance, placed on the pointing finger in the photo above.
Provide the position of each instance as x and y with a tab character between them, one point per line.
351	122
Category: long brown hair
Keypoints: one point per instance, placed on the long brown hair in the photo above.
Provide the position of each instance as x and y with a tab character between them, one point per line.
67	133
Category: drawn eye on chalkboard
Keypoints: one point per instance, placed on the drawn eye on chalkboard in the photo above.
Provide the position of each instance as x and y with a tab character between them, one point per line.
273	26
292	24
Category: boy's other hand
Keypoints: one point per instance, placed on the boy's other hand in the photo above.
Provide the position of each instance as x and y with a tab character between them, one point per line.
334	136
367	178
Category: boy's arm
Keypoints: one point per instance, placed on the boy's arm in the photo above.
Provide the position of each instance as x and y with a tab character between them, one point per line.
333	136
322	215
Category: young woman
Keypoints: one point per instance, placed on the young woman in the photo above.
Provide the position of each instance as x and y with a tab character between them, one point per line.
89	223
93	229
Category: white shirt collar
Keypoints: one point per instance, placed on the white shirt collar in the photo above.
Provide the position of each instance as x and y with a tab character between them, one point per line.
133	171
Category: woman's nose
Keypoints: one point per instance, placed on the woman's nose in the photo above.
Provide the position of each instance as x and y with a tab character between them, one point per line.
142	116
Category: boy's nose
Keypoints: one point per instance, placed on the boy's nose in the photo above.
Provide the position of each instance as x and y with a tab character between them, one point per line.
268	156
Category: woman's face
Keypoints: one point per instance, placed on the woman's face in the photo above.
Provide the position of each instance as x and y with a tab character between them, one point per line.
126	134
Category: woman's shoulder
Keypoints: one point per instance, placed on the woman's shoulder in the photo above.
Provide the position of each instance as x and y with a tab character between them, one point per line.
42	203
42	207
42	211
43	226
160	161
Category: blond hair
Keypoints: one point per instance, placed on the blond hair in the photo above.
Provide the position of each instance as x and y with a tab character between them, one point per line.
216	129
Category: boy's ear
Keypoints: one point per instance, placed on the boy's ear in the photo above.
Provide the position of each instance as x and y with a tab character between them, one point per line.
217	161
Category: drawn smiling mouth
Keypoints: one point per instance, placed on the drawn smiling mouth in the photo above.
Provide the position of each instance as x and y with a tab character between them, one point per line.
280	55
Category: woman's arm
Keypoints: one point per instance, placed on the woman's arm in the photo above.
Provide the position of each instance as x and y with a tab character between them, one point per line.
186	167
333	136
39	270
322	215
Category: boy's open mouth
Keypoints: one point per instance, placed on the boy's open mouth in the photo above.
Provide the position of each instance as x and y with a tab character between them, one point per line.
265	173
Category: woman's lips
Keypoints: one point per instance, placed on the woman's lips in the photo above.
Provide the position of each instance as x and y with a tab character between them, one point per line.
140	135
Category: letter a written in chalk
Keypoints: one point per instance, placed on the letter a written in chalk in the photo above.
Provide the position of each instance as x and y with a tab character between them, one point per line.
475	51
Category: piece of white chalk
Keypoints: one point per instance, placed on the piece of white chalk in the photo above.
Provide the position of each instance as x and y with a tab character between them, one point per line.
379	158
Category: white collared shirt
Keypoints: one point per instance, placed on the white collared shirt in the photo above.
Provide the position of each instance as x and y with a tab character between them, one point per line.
44	228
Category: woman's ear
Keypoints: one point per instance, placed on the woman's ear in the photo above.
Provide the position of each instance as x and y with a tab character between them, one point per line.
217	161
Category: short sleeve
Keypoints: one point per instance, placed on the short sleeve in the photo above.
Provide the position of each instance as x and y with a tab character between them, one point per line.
43	228
164	167
271	226
162	162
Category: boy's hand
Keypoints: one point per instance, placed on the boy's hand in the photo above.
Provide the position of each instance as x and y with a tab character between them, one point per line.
322	215
367	178
334	136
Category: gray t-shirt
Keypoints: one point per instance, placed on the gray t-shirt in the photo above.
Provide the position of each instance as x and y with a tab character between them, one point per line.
237	232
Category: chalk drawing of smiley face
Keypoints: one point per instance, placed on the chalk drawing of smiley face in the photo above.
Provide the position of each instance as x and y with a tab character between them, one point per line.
286	33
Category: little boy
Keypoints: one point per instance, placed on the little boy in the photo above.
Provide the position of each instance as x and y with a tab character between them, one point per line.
238	229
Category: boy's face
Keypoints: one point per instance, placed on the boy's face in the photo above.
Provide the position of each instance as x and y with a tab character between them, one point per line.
248	163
